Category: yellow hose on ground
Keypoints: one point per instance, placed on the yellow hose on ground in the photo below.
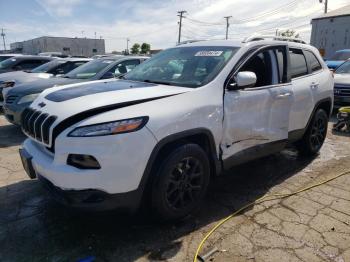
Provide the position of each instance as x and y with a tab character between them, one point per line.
258	201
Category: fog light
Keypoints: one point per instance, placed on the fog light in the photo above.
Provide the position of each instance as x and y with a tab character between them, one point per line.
83	161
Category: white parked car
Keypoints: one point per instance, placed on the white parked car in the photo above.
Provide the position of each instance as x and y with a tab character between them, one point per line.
186	114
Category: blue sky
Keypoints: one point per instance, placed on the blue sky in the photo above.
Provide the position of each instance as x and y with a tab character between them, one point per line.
154	21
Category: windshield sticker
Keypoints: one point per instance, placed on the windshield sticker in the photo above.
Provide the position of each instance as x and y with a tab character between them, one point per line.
208	53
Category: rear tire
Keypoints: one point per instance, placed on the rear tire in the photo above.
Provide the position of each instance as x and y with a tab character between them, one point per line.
315	135
181	183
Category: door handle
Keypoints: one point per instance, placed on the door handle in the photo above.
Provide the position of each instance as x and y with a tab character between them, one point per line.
314	85
284	95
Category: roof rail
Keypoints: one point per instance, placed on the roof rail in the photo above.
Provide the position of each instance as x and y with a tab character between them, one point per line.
257	37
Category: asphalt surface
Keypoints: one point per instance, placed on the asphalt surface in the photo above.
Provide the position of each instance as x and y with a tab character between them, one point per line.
311	226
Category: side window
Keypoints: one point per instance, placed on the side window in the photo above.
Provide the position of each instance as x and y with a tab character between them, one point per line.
126	66
298	63
266	67
123	67
28	64
66	67
282	64
312	61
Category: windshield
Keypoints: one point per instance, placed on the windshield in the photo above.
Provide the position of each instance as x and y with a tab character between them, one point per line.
341	56
89	69
343	68
44	68
2	58
48	66
183	66
8	63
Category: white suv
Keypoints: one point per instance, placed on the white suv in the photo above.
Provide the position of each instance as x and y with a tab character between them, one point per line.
158	135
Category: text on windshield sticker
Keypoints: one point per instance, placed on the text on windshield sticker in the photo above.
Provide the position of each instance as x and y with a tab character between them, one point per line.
208	53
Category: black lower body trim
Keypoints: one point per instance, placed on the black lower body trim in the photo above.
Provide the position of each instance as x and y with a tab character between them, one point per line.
93	200
296	135
254	153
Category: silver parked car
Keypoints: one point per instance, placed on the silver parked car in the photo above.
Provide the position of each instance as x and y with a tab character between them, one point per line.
342	85
53	68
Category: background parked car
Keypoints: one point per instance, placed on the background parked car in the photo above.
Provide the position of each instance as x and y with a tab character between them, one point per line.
342	85
53	68
18	63
7	56
21	96
339	57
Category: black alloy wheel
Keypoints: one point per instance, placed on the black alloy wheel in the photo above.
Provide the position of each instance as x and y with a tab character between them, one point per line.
181	182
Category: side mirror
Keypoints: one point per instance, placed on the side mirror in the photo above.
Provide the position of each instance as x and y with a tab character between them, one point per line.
245	79
108	75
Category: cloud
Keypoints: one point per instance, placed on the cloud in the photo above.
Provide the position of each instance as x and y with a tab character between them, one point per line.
59	8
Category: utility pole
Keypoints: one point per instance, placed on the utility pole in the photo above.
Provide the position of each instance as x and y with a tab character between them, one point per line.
325	5
3	38
227	24
127	46
181	15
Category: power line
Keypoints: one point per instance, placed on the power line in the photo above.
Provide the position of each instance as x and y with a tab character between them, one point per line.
204	23
270	12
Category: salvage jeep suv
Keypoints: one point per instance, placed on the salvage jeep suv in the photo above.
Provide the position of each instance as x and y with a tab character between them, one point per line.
157	135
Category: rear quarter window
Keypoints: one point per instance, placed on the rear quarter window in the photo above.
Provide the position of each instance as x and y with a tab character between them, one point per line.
298	63
312	61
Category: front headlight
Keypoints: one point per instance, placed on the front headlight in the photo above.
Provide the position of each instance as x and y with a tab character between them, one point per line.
7	84
110	128
28	99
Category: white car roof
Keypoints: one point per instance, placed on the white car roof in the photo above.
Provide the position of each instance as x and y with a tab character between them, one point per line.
11	54
74	59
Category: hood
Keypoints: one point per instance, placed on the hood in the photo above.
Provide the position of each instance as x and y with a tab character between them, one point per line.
333	64
5	71
101	96
22	77
40	84
342	79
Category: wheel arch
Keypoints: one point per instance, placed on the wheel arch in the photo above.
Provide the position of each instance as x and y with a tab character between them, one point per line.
325	104
200	136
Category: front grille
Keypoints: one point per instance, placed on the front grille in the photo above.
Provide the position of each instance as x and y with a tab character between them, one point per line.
10	99
37	124
342	90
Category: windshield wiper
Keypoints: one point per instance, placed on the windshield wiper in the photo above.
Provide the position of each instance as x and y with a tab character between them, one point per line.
156	82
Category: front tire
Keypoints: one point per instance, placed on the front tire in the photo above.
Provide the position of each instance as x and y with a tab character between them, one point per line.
181	182
315	135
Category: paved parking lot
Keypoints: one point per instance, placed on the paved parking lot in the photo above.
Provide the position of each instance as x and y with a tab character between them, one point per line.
311	226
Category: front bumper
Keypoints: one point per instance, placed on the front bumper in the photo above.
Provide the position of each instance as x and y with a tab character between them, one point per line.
341	100
13	112
123	159
92	199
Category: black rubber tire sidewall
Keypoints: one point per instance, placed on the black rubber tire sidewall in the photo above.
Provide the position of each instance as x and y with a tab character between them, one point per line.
305	146
161	209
